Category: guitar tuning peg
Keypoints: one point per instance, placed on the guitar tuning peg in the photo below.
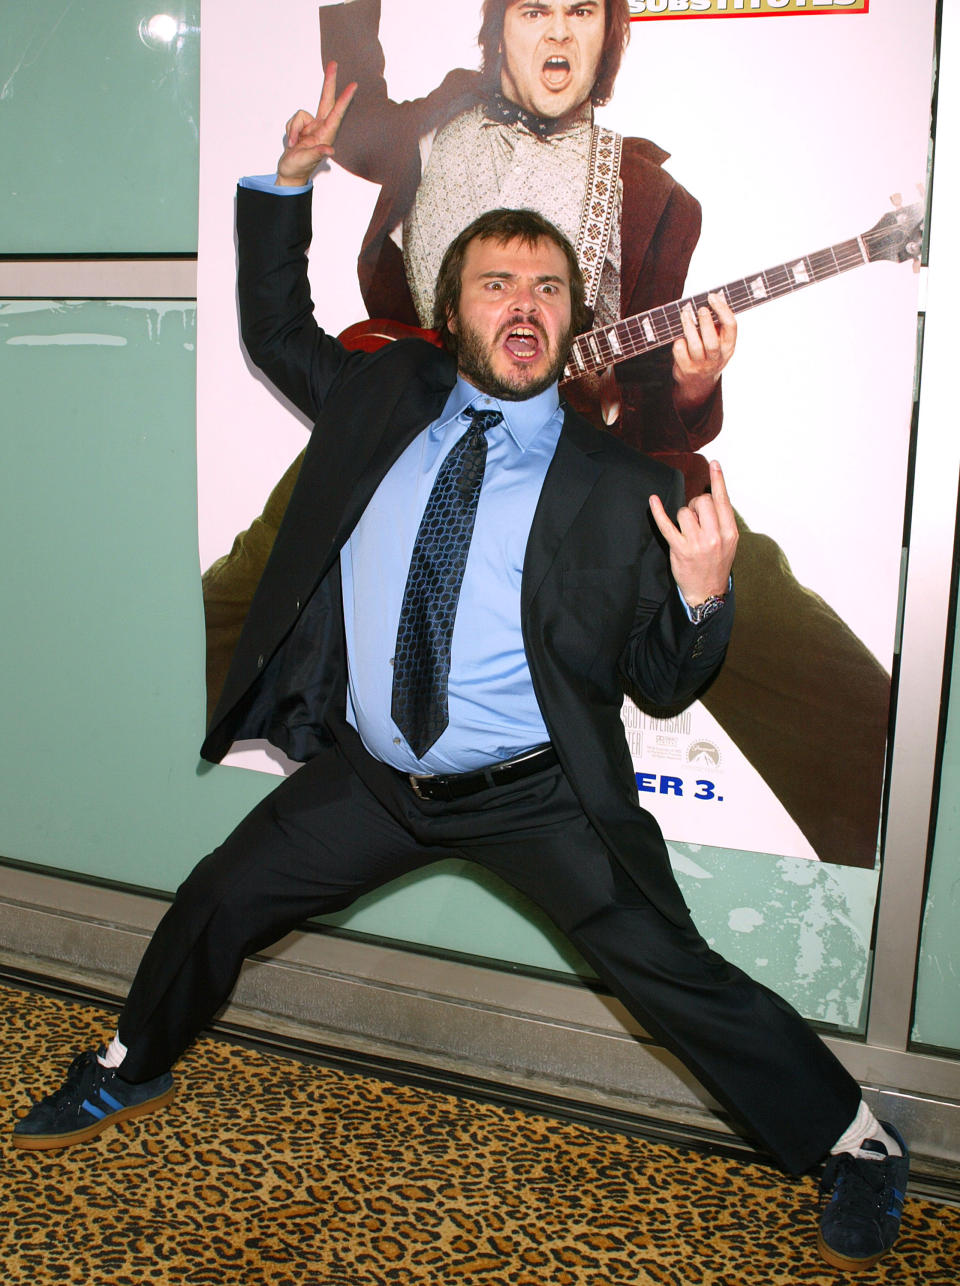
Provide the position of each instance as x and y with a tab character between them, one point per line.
896	200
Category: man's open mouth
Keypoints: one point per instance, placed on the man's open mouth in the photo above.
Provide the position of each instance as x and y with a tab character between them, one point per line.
522	342
556	70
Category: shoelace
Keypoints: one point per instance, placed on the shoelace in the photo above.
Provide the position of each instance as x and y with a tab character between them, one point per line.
71	1080
862	1183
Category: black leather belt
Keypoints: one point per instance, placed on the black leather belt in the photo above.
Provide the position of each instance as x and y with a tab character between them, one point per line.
460	784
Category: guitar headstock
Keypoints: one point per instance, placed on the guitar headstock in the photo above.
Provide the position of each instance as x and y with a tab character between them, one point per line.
898	236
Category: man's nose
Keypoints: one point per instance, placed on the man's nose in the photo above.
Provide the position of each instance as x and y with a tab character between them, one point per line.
525	301
558	28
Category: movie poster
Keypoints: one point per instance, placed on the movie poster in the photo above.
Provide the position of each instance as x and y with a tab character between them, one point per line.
792	124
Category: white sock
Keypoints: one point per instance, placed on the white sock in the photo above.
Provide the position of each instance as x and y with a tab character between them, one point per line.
116	1052
865	1126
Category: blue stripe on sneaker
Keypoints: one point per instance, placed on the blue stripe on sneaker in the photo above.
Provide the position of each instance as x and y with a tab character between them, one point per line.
110	1100
92	1108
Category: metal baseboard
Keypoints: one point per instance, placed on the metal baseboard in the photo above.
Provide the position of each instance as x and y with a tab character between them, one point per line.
550	1045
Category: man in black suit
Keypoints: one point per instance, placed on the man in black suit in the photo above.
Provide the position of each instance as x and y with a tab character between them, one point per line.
467	579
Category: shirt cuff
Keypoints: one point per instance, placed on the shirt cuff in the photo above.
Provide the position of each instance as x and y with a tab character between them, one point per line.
268	183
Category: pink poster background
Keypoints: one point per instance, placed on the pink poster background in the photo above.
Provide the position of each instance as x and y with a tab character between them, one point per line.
792	133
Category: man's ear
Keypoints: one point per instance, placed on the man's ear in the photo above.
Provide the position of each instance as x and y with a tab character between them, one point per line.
451	321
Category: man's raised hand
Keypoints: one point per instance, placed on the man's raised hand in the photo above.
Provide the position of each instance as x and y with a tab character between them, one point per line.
311	138
702	542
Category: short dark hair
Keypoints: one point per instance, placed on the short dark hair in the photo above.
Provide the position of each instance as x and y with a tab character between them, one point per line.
616	35
501	226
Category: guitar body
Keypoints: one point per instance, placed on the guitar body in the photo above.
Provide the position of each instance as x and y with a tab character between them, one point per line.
369	335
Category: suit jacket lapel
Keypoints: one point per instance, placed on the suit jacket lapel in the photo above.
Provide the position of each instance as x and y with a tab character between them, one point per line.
413	411
572	475
339	479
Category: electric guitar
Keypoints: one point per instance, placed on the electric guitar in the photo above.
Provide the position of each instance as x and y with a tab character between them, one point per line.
896	237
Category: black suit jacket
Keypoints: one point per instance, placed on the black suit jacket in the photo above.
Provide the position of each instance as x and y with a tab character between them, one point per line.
601	614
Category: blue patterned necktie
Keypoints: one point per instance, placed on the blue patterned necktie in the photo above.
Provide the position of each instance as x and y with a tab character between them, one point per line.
421	663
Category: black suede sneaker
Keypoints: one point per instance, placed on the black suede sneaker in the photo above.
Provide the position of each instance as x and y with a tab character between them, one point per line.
91	1098
862	1218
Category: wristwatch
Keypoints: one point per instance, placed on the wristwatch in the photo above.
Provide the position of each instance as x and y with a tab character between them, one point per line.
703	611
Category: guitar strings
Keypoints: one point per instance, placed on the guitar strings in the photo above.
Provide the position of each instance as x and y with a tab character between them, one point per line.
660	326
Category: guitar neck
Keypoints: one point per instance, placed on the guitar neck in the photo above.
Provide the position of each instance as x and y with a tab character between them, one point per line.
608	345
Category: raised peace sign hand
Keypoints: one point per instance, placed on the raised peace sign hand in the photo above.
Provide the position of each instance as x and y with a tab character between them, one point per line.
703	541
310	138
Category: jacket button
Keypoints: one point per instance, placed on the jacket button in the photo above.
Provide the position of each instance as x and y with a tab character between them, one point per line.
297	606
260	661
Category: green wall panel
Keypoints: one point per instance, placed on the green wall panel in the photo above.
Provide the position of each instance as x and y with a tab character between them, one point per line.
98	128
937	1009
101	686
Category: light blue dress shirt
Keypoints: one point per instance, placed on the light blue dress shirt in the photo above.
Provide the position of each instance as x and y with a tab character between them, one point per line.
492	707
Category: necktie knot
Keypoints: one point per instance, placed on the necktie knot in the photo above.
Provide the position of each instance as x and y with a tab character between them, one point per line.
482	418
475	453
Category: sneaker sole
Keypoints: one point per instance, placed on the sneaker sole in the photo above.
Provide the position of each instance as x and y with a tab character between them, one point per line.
48	1142
836	1260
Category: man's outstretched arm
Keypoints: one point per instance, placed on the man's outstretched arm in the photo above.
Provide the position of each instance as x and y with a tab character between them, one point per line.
273	231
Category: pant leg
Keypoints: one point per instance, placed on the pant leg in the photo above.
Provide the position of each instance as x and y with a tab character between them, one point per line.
310	848
807	703
746	1045
230	583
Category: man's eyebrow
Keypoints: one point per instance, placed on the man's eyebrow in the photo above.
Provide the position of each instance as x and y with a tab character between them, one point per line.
512	276
570	8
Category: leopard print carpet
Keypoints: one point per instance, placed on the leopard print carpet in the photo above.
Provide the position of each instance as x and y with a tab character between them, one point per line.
267	1172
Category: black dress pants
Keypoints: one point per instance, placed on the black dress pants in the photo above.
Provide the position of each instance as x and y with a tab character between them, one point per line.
324	837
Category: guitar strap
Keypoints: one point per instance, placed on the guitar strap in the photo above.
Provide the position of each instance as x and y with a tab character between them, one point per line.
599	208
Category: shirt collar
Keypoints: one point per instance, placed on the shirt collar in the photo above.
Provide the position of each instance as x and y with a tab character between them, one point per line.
523	420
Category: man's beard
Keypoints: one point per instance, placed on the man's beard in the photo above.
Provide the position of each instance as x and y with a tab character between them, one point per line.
473	362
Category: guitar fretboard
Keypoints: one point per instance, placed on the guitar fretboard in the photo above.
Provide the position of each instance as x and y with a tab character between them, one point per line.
660	326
